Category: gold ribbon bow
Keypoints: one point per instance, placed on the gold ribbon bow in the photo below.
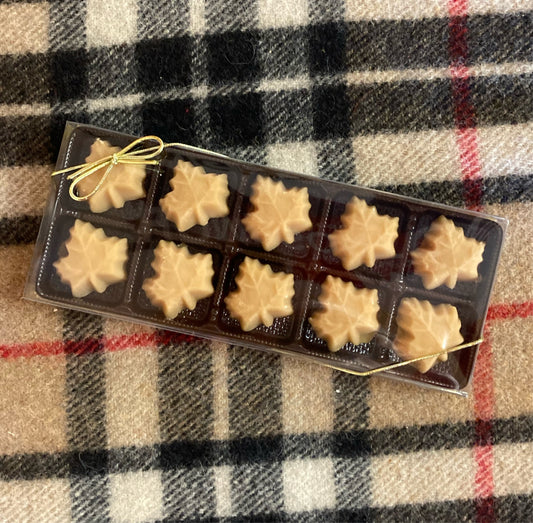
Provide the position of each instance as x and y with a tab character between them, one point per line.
145	156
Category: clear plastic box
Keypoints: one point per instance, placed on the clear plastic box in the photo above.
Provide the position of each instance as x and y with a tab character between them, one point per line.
309	258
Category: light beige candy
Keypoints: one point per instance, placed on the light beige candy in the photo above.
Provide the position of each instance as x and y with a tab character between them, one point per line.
424	329
261	295
446	255
347	314
196	196
94	260
365	236
181	278
123	183
278	213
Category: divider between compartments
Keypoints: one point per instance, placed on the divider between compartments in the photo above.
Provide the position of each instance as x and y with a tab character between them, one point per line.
411	225
130	284
145	218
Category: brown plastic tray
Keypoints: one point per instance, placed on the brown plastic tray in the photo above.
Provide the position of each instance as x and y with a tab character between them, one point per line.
309	258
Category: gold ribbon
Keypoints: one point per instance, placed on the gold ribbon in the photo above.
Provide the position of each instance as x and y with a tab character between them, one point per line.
145	156
407	362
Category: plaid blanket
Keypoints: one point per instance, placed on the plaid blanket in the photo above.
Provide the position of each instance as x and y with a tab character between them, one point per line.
102	420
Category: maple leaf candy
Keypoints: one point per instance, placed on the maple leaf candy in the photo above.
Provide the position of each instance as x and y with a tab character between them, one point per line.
181	278
424	329
278	213
365	236
123	183
347	314
94	260
446	255
261	295
196	196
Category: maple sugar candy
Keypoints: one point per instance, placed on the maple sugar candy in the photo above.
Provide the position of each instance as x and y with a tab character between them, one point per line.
261	296
278	214
446	255
94	260
123	183
424	329
181	278
365	236
347	314
196	196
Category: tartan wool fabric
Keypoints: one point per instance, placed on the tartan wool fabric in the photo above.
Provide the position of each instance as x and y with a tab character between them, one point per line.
108	421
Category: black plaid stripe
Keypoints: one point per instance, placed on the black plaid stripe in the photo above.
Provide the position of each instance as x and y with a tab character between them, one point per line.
256	489
131	459
327	48
89	498
500	38
69	75
163	63
112	71
129	120
352	466
67	24
489	96
254	389
332	110
385	44
288	115
29	138
237	120
330	48
188	494
232	57
353	483
185	391
283	53
14	85
326	10
86	426
21	229
227	15
171	120
336	160
153	18
352	444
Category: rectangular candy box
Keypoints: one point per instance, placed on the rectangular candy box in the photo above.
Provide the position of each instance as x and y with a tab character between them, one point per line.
191	241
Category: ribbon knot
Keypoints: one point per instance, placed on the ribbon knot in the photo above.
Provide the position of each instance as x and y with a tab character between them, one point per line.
128	155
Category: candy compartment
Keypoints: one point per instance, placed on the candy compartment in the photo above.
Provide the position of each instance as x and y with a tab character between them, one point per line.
303	248
217	229
460	363
319	347
132	213
49	284
141	304
283	329
388	269
486	231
